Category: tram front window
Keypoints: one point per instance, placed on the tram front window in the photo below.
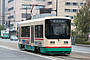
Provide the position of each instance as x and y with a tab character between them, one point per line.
57	29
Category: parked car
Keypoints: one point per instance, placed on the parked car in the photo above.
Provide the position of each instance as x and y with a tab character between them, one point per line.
13	38
5	34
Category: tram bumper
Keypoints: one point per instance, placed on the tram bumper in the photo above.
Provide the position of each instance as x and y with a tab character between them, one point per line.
56	50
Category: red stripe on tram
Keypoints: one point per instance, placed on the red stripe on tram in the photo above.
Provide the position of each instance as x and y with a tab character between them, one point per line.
38	39
66	47
30	38
59	47
24	38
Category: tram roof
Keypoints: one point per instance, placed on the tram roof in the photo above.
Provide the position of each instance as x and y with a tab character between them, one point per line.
42	19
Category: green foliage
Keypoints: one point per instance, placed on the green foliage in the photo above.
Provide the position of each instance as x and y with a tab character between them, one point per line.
82	20
82	23
1	28
86	42
80	39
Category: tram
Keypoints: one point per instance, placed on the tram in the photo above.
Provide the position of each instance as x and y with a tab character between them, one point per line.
49	35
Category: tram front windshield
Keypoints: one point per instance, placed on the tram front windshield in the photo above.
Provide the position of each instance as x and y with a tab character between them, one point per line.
57	29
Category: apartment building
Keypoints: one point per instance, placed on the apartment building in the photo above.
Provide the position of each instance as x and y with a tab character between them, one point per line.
67	8
2	12
88	2
19	10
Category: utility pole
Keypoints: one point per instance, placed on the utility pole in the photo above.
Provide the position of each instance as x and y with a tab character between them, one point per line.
26	13
31	13
14	19
56	10
9	24
56	7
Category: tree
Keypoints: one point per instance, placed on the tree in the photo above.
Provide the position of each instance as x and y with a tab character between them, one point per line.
82	20
1	28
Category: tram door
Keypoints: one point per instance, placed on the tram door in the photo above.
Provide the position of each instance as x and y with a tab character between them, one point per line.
32	34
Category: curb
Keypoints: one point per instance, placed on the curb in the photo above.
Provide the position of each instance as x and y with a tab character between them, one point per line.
82	45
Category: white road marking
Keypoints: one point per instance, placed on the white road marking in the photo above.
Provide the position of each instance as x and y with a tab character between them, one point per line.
47	57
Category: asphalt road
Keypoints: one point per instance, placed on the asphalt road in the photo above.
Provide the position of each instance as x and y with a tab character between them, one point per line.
7	54
78	52
74	48
81	49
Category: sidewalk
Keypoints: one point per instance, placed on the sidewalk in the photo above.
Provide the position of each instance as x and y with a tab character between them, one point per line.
8	40
82	45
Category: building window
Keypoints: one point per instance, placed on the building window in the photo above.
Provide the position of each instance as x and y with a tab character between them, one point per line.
71	10
10	8
50	3
74	10
39	31
25	31
67	16
75	3
71	3
67	10
25	6
40	0
39	6
27	0
72	17
67	3
24	15
10	17
82	4
10	1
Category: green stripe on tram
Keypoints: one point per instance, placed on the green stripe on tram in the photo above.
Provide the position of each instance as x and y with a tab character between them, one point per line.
56	50
49	50
28	47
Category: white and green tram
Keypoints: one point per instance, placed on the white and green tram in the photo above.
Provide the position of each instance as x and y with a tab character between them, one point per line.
50	35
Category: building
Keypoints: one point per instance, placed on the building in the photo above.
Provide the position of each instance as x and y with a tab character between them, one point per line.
67	8
2	12
19	10
88	2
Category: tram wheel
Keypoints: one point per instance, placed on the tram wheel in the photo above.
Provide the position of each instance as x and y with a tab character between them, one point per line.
22	48
37	49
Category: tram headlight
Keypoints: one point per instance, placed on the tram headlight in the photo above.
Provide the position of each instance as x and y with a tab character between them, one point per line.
65	42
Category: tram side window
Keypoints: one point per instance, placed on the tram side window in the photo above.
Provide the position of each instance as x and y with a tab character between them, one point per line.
39	31
25	31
